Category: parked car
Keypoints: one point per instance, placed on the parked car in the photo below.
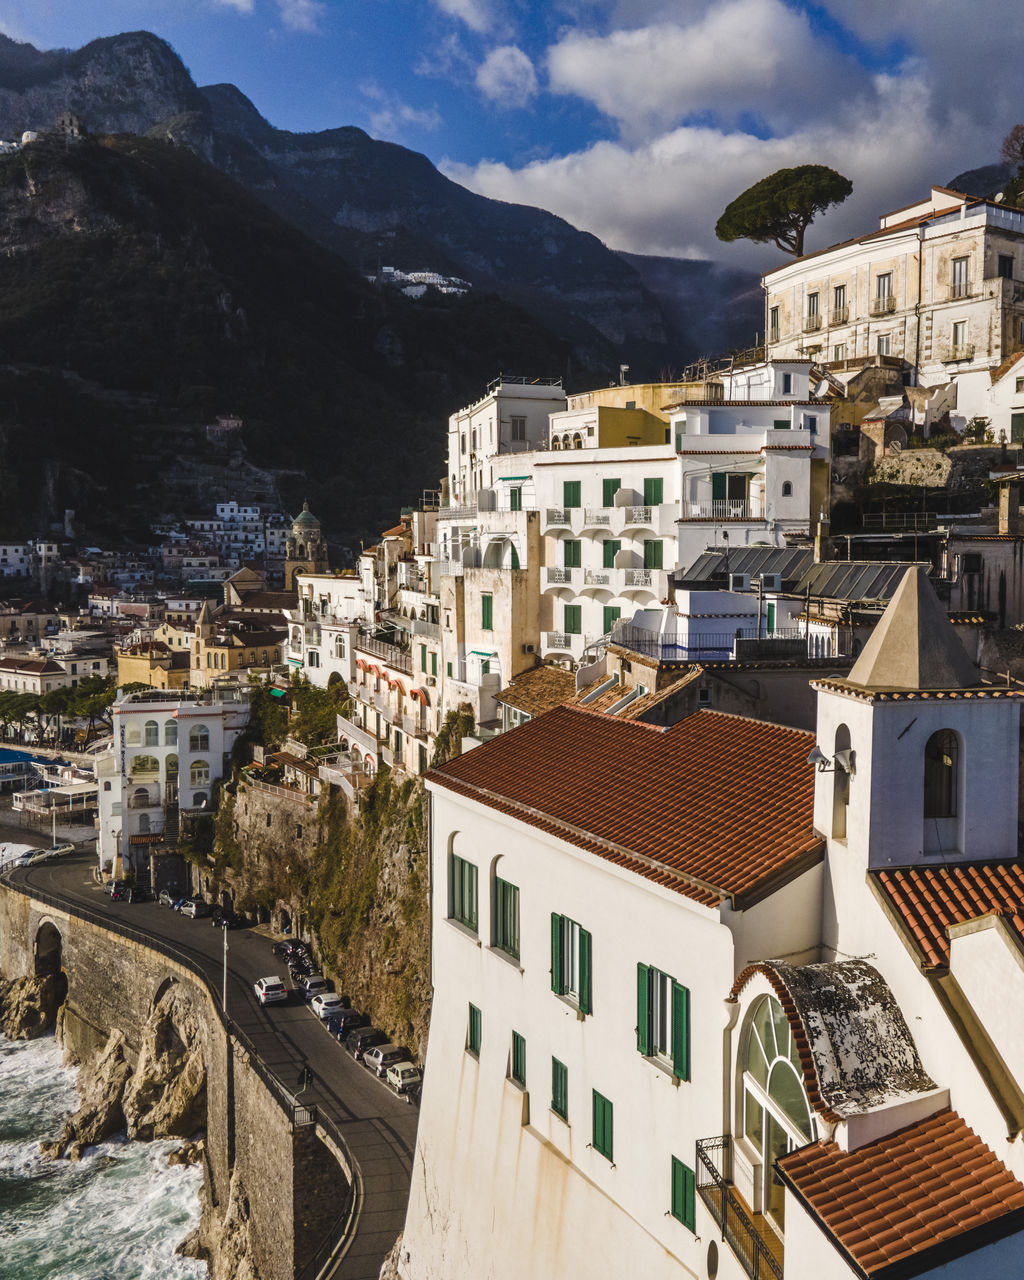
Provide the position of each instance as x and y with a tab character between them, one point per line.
362	1038
194	907
382	1056
270	990
283	949
327	1005
300	967
349	1019
59	850
313	984
138	893
166	898
225	918
114	886
180	902
404	1077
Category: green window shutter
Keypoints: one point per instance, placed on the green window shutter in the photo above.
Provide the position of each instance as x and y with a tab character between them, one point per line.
1016	428
487	612
515	500
574	619
654	487
680	1032
586	1003
611	616
519	1058
643	1042
684	1194
571	493
781	424
653	554
559	1088
610	548
609	488
571	554
472	893
433	664
718	486
601	1124
556	953
423	657
514	558
474	1036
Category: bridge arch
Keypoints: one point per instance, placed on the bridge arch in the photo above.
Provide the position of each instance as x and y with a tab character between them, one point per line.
48	949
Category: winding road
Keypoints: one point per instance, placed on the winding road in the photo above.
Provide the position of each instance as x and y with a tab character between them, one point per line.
378	1127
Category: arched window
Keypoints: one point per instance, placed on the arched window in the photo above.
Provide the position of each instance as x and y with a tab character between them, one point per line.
171	733
106	786
140	798
941	769
144	824
787	488
840	786
145	764
171	767
776	1114
577	441
199	738
199	773
151	734
555	443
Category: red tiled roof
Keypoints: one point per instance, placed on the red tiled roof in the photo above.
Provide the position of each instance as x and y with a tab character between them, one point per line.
929	899
713	807
908	1198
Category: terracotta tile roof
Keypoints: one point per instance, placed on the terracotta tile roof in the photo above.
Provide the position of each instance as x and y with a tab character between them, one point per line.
539	689
716	806
913	695
913	1198
927	900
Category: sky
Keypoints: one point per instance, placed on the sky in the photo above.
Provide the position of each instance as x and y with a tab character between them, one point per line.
637	120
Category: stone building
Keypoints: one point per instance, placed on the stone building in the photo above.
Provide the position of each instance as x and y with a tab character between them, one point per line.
306	549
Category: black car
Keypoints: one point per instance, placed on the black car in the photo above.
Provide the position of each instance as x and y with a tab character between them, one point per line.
224	918
138	893
362	1038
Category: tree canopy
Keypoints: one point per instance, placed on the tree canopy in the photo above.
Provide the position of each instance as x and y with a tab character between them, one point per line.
780	207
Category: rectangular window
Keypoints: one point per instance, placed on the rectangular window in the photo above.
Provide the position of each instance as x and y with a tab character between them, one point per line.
811	423
773	324
653	554
961	284
448	668
654	488
884	344
839	297
839	351
1004	266
609	488
787	384
433	664
684	1197
506	917
571	494
423	657
515	499
612	612
517	428
559	1088
812	306
486	612
573	625
602	1126
519	1059
663	1019
571	553
473	1031
610	548
571	961
959	335
463	906
883	287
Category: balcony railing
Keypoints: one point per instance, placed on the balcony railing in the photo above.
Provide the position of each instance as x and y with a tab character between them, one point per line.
812	323
557	640
400	659
722	509
143	802
883	304
597	577
714	1186
639	515
598	515
774	335
840	315
961	351
414	726
450	568
891	520
558	515
961	289
558	577
638	578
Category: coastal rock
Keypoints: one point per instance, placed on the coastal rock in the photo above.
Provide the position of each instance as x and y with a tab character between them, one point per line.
166	1097
227	1241
187	1153
28	1006
101	1087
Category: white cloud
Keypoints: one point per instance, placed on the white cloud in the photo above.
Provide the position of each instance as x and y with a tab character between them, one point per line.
243	6
392	117
444	59
506	77
302	15
478	15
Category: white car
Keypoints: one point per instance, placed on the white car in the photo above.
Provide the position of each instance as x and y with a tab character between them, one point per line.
270	990
327	1005
403	1076
382	1056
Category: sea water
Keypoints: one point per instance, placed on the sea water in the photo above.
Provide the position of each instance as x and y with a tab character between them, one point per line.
117	1214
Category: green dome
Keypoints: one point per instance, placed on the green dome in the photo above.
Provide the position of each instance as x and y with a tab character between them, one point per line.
306	517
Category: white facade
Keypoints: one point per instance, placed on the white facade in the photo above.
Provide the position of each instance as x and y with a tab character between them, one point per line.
320	629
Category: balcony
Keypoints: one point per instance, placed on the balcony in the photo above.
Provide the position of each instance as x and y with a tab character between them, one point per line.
756	1246
774	335
143	802
557	577
959	351
355	733
637	516
414	726
598	578
597	516
450	568
840	315
961	289
557	640
883	304
722	509
392	654
812	323
557	516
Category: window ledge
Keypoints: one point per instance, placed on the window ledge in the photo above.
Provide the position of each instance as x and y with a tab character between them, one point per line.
464	929
570	1004
559	1117
505	956
664	1066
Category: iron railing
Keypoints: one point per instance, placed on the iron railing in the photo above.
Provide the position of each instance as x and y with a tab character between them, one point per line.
392	654
882	304
558	515
638	515
840	315
895	520
597	515
558	576
714	1157
812	323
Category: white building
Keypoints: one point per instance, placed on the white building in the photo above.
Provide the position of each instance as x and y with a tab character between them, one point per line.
169	749
719	1000
937	285
330	609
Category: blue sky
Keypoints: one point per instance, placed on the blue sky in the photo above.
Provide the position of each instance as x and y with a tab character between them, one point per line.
635	119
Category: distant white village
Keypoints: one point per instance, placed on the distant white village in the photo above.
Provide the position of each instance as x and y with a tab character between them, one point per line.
727	913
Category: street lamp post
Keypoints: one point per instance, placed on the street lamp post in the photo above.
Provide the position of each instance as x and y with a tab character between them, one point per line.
224	985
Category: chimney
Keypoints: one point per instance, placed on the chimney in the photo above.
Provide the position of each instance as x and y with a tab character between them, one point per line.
1009	506
822	548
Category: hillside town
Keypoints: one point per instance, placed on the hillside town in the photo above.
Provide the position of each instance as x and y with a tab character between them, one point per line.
714	687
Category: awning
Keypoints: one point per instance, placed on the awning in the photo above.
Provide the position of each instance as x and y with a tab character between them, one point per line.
372	666
361	664
395	683
420	695
278	693
484	653
512	479
152	837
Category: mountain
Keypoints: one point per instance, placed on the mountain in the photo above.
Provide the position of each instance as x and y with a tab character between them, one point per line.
142	292
984	181
375	203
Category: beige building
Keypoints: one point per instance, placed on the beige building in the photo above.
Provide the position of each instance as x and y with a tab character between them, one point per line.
939	285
